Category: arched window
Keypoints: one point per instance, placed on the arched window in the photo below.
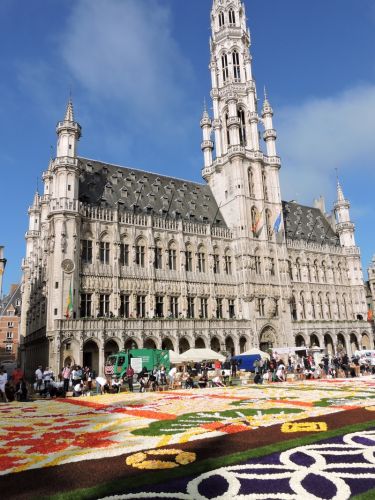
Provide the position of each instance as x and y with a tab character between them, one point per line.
224	64
268	224
316	271
172	256
236	66
320	304
227	129
303	306
251	181
293	308
232	17
345	306
140	253
228	262
241	116
338	307
313	311
339	272
221	19
265	190
298	270
255	217
308	266
329	309
324	272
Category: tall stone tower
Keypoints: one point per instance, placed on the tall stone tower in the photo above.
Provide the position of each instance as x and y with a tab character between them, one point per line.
243	178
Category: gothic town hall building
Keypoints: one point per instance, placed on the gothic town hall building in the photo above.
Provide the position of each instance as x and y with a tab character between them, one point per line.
118	257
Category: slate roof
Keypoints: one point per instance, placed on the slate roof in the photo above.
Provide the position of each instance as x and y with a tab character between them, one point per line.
307	223
102	184
144	192
11	300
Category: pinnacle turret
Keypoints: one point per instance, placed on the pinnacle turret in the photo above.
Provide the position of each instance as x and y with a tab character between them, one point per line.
69	113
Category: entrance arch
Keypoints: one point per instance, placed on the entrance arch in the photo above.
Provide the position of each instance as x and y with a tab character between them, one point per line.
314	341
68	361
354	342
91	355
183	345
328	343
243	344
131	344
365	341
300	341
149	344
167	345
229	346
215	344
341	344
267	338
110	347
199	343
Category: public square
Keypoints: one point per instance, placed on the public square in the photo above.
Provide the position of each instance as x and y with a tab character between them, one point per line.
311	439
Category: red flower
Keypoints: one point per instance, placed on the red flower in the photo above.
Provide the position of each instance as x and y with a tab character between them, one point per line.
50	442
94	440
8	462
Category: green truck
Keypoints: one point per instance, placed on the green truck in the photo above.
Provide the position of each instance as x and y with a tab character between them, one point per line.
117	364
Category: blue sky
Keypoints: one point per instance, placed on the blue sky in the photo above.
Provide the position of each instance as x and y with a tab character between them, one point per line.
138	70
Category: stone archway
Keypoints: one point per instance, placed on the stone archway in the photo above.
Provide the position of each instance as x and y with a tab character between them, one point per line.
167	344
267	338
110	347
229	346
68	361
354	343
215	344
341	344
243	344
149	344
328	343
183	345
365	341
130	344
91	355
300	341
314	340
199	343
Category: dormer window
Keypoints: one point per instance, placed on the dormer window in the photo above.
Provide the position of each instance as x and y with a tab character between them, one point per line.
232	17
221	19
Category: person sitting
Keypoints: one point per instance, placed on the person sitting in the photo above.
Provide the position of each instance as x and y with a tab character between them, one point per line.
142	378
217	381
280	373
189	382
203	381
78	389
116	385
152	382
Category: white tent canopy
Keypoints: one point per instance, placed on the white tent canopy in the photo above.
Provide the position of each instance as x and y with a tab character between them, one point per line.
174	357
198	355
254	352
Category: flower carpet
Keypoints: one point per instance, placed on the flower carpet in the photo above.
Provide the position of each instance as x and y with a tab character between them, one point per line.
313	439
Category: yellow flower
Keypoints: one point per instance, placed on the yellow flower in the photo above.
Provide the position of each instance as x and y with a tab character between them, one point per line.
139	460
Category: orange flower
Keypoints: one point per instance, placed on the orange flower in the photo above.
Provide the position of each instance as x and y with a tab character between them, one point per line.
94	440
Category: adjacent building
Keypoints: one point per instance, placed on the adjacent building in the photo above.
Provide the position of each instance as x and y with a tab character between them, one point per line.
10	314
117	257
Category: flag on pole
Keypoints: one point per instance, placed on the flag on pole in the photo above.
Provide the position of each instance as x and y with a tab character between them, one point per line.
69	304
277	224
370	315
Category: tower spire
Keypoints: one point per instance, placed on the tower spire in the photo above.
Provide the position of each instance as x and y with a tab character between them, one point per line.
270	134
69	132
344	226
69	113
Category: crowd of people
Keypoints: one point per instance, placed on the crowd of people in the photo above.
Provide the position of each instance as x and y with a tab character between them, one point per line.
13	387
277	369
79	381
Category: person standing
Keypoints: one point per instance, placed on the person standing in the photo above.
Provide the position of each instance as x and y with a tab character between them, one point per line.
129	376
39	377
47	377
3	381
66	377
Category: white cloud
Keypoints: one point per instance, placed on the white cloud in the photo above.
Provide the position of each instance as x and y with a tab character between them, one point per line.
124	52
323	134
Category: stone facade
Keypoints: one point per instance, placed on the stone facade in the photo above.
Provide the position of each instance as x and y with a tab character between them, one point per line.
118	257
